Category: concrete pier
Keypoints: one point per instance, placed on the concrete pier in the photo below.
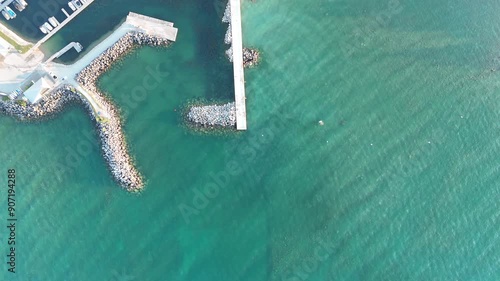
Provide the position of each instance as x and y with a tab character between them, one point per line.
155	27
53	32
78	47
239	74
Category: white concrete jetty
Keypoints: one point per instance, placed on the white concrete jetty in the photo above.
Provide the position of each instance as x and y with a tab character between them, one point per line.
66	21
153	26
239	74
77	46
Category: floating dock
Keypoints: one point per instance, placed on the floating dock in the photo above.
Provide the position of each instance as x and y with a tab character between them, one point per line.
239	74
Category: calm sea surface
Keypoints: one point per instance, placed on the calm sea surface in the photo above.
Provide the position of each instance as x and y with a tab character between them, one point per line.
402	182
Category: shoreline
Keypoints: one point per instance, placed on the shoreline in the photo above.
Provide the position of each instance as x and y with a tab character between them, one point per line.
18	39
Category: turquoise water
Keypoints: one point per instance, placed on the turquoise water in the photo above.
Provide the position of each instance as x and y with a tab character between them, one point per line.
401	182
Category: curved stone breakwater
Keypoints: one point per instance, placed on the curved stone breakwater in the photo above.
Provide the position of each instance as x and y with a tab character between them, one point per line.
213	115
89	75
112	141
114	147
110	131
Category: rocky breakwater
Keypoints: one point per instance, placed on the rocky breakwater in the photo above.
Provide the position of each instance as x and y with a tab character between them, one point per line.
213	115
89	75
50	104
114	146
250	56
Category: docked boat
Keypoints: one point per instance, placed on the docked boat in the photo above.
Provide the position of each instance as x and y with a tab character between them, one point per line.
5	15
18	6
9	12
48	26
22	2
72	6
53	21
43	29
78	4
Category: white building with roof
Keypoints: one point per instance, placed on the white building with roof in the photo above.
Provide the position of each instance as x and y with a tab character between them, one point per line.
36	91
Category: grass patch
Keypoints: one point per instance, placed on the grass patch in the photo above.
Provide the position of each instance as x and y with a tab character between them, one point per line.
22	103
102	119
5	99
22	49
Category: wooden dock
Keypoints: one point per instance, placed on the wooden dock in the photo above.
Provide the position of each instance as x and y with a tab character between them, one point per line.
56	29
239	74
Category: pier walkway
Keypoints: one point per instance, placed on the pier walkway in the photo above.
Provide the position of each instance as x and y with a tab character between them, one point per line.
78	47
5	4
239	74
65	13
56	29
153	26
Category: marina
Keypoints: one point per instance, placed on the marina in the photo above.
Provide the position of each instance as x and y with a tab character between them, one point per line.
53	30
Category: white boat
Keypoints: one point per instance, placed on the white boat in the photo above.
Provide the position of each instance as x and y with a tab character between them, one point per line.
9	12
71	6
53	21
83	1
18	6
77	3
22	2
5	15
48	26
43	29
